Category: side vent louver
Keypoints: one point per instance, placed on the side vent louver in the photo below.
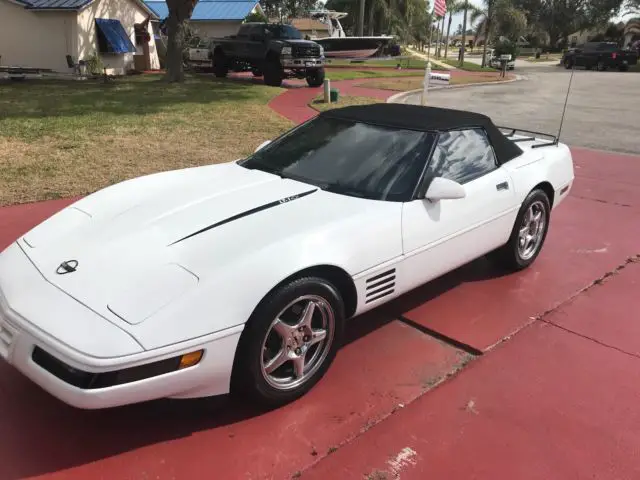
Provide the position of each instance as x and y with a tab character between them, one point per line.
380	285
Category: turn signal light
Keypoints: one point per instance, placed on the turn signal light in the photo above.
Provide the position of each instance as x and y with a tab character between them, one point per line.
190	359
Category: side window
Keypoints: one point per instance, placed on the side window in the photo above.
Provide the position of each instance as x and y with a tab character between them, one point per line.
462	156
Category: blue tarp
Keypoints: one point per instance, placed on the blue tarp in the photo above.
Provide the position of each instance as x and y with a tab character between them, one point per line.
117	40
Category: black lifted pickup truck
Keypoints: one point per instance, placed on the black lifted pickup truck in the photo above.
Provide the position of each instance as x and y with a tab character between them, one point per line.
600	55
275	51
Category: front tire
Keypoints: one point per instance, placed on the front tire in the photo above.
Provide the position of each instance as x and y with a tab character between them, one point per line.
528	234
273	74
289	342
315	78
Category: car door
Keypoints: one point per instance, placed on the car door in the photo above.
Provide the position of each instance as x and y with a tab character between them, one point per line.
580	56
439	236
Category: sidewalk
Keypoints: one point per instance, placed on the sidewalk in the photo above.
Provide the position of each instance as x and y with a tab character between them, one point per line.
432	59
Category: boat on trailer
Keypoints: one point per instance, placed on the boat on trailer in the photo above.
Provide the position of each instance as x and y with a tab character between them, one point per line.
339	45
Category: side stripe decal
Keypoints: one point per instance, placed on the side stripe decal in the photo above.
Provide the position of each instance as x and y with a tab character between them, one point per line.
247	213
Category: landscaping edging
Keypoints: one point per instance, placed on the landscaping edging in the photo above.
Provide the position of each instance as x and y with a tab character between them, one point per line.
394	98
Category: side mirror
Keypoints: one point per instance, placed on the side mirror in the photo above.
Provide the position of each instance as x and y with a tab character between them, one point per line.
262	145
444	189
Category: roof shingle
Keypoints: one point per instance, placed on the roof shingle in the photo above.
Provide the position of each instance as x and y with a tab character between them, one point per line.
220	10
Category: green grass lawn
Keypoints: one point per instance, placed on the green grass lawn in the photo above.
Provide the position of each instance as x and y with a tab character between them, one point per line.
390	63
60	139
415	83
349	74
343	101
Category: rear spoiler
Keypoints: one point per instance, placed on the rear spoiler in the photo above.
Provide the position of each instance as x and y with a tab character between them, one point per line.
512	131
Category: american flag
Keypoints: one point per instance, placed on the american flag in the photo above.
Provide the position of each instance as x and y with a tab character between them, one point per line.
440	8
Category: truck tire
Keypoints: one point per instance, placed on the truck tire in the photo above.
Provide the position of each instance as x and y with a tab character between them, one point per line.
273	73
623	68
315	78
220	67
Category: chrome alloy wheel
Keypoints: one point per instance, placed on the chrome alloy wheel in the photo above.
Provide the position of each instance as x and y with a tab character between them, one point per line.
297	342
532	230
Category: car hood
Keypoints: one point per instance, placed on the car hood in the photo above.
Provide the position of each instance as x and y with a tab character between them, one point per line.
132	248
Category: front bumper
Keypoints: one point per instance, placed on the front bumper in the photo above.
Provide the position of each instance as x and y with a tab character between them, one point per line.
84	380
290	62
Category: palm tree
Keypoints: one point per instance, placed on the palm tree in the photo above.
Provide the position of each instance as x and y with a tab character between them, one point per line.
499	15
454	7
632	30
466	8
485	15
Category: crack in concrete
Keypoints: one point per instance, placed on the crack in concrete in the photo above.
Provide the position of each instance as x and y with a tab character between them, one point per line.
587	337
602	201
541	317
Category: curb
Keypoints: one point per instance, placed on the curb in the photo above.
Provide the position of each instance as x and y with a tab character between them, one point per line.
394	98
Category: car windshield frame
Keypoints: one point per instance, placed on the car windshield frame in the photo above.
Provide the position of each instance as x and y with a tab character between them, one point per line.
407	169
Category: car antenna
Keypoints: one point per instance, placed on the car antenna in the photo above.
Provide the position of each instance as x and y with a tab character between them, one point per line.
564	109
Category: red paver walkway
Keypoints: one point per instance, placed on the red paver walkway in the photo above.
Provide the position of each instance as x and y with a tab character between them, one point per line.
545	402
549	404
294	103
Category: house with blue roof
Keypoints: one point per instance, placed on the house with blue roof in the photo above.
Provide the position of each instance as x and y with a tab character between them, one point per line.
56	34
213	18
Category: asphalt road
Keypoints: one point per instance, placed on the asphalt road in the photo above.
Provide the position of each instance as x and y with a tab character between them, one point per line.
602	110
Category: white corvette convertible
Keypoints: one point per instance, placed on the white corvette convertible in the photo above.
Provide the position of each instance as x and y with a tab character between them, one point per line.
239	277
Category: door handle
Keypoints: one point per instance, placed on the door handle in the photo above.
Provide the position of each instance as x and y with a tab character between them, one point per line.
502	186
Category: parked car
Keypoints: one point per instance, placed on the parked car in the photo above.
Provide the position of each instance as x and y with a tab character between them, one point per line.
274	51
599	55
241	276
493	61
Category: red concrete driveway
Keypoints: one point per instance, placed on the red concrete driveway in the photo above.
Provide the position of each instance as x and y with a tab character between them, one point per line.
551	403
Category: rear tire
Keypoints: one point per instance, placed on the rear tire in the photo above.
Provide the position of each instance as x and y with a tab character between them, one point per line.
568	64
281	355
527	236
220	67
623	68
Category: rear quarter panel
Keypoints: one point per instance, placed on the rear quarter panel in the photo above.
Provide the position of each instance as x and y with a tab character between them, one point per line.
551	164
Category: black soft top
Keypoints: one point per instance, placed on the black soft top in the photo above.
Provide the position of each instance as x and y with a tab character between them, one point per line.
428	119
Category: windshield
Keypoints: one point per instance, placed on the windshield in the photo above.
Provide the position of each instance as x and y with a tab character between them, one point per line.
284	32
348	157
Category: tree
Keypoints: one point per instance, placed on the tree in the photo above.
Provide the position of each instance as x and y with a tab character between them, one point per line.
256	17
453	8
177	23
467	8
499	18
561	18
